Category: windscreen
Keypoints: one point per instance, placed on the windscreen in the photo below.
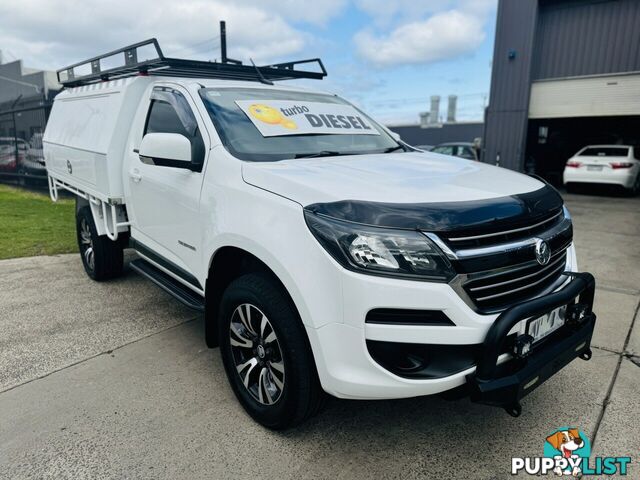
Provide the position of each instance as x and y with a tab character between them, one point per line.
605	152
268	125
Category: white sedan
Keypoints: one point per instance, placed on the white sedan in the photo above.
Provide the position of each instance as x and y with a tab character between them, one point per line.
604	164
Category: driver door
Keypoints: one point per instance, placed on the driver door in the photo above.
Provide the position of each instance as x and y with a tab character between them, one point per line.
165	200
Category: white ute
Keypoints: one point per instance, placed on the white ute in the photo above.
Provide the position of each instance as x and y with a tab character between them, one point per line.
326	255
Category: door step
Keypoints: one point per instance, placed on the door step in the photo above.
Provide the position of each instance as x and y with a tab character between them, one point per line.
184	294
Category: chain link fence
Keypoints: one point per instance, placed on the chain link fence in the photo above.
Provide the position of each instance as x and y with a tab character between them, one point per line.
21	130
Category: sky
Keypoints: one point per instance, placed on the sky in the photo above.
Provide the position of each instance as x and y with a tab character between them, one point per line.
387	56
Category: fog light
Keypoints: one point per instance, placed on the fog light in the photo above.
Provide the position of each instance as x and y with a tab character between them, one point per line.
523	346
577	313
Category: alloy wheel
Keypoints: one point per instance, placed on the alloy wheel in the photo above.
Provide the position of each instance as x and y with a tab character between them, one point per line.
256	354
86	245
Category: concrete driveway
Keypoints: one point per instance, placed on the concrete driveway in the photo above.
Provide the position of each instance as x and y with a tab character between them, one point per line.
114	380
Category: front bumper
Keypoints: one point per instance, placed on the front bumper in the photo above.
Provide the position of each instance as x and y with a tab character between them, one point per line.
345	365
506	384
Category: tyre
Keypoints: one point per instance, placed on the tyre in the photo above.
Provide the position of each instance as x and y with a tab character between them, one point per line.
571	188
102	258
266	354
635	188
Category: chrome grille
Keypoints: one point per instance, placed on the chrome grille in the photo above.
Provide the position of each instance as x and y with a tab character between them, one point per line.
494	273
510	285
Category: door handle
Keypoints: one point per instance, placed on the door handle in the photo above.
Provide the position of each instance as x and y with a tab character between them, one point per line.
135	176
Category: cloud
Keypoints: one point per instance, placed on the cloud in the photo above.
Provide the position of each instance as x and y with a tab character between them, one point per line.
51	34
442	36
300	10
384	11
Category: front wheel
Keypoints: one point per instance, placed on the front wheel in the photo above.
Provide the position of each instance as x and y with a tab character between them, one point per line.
266	354
102	258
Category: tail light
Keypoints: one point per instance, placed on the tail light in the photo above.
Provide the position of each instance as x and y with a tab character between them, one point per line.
573	164
617	165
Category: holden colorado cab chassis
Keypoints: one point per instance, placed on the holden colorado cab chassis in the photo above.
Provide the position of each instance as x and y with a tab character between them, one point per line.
326	255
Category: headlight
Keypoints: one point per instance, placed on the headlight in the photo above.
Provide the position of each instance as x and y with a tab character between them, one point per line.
381	251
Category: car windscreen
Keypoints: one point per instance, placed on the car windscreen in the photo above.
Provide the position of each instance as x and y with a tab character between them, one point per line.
605	152
264	125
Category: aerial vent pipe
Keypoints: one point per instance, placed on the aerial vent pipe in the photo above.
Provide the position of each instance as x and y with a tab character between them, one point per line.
451	108
424	119
434	114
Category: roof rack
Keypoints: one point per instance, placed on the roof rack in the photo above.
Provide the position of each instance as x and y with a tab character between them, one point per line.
146	58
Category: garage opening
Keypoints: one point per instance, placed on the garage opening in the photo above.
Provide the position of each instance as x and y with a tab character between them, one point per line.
551	142
567	114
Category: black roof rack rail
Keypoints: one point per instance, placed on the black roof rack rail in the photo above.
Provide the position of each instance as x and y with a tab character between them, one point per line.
146	58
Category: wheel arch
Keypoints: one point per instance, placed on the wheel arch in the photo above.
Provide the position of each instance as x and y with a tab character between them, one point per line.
228	263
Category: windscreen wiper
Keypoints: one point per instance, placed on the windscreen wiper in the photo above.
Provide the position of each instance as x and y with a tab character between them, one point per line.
394	149
322	153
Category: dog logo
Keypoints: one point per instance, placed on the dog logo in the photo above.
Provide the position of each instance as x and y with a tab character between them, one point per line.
543	252
569	444
271	115
567	452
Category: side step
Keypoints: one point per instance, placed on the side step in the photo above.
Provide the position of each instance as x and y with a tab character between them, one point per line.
168	284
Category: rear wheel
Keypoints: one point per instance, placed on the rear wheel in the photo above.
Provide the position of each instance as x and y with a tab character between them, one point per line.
635	188
266	353
571	188
102	258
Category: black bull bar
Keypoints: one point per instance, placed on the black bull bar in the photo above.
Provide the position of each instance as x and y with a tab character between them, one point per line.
490	385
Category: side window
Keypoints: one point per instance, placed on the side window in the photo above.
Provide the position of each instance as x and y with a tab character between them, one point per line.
466	152
447	150
170	112
164	119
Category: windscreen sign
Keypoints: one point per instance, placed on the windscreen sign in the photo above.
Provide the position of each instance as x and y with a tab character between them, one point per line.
275	118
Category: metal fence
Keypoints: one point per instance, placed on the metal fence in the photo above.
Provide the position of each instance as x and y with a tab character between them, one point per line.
21	130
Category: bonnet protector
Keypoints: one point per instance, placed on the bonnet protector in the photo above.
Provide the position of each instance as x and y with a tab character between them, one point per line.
466	216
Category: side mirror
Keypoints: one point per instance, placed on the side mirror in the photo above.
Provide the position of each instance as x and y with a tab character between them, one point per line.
395	136
166	150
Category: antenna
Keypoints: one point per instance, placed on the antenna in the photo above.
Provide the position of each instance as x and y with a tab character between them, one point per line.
223	45
259	73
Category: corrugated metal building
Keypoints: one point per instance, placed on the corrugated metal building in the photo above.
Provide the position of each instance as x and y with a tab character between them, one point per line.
566	73
434	135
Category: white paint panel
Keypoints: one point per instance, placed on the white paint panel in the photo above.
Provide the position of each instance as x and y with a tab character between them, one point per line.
613	95
87	133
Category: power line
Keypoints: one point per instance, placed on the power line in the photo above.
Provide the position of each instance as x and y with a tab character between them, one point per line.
422	99
207	48
194	46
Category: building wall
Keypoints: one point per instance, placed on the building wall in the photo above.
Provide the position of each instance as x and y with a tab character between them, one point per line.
10	91
551	39
576	38
448	132
506	115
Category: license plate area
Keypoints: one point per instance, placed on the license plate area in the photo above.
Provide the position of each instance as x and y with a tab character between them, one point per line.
594	168
545	325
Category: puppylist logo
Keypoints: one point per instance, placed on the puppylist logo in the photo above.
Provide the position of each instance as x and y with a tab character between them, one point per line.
567	452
